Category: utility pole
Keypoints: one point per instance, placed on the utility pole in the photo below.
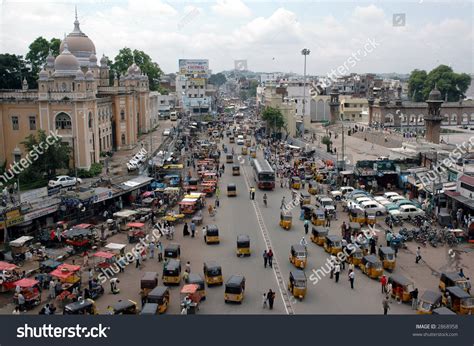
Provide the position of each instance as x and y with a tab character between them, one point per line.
305	52
343	155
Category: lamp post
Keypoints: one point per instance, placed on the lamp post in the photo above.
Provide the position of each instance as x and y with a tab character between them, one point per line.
305	52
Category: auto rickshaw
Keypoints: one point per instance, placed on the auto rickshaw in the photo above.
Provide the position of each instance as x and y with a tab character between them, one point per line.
234	289
355	256
354	227
387	256
243	245
357	215
172	272
371	218
297	284
253	153
319	218
229	158
298	256
159	295
84	307
149	281
212	273
428	302
401	287
295	183
453	279
462	302
20	246
285	219
150	309
333	244
305	198
197	279
245	150
235	169
190	298
172	251
443	311
312	187
125	307
231	190
371	266
318	235
212	235
231	139
248	142
135	232
308	211
31	291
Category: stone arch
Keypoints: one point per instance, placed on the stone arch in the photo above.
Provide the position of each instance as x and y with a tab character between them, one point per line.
446	119
63	121
465	118
389	119
453	119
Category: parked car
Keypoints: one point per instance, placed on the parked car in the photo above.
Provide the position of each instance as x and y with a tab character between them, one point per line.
64	181
339	194
373	206
391	206
166	132
401	202
395	199
387	195
353	203
327	204
381	200
406	211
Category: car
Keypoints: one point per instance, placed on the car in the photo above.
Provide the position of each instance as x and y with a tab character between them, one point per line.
373	206
327	204
391	206
64	181
381	200
339	194
353	203
166	132
406	211
240	141
395	199
351	195
401	202
387	195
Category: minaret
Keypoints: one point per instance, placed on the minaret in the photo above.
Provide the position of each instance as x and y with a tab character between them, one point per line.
434	118
371	100
334	105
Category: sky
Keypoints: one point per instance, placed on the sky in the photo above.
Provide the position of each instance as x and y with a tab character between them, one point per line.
380	36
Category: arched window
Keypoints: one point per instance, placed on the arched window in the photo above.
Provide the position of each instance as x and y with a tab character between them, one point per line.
91	120
122	115
123	138
63	122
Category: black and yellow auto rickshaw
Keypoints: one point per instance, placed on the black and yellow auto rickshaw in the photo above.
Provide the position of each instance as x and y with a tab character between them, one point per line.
298	256
231	190
387	256
297	284
319	218
357	215
212	273
196	279
231	139
333	244
150	309
449	279
371	266
234	289
355	255
253	153
212	235
243	245
318	235
354	227
84	307
305	198
313	187
308	211
443	311
363	244
159	295
229	158
428	302
286	219
125	307
245	150
295	183
172	251
401	287
235	169
172	272
461	301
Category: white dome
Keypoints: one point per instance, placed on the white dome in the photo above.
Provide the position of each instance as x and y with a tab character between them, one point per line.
65	63
43	75
89	75
103	61
134	69
79	44
79	75
50	60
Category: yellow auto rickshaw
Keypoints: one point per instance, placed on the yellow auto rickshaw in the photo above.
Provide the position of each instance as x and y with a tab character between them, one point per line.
295	183
253	153
286	219
298	256
355	255
234	289
83	307
305	198
231	190
212	235
461	301
160	295
318	235
172	251
212	273
428	302
319	218
402	287
229	158
387	256
125	307
197	279
313	187
297	284
243	245
235	169
245	150
449	279
371	266
248	142
333	244
172	272
357	215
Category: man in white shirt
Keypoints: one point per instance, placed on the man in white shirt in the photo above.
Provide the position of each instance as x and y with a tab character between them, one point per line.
337	271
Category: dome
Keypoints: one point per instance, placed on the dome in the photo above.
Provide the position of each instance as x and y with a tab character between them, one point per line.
79	75
50	60
79	44
43	75
103	60
65	63
89	75
134	69
93	59
435	94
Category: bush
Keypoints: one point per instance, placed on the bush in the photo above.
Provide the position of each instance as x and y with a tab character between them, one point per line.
95	170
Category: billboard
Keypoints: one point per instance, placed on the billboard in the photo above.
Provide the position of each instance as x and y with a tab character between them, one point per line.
197	68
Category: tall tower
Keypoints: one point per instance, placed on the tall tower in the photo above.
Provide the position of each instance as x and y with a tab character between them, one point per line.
334	105
371	101
434	118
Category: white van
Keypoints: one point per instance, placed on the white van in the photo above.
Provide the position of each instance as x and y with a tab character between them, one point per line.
173	116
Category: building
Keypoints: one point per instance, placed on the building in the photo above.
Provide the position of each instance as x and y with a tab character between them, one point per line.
354	109
75	98
275	97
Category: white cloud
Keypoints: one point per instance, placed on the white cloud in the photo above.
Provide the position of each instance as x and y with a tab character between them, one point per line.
231	8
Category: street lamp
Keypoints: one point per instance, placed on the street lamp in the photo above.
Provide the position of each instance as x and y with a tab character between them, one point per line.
304	52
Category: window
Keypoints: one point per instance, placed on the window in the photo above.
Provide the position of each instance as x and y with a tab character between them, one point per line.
296	101
183	86
32	123
123	138
63	122
467	187
90	120
15	123
122	115
17	157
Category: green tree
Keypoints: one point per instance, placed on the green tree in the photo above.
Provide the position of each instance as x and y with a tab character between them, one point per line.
327	141
12	71
38	52
253	88
416	84
274	118
217	79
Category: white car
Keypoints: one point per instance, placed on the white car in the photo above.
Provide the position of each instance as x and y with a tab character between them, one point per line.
373	206
388	195
64	181
327	204
240	141
395	199
166	132
354	203
381	200
406	211
338	194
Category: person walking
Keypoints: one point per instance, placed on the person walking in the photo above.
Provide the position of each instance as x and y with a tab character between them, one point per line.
385	305
383	283
283	203
389	291
265	258
271	298
270	257
151	249
264	300
137	260
52	289
414	298
193	229
306	226
351	278
21	302
337	271
185	230
159	247
418	255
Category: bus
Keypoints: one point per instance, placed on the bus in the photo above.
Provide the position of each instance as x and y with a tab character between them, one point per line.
173	116
264	175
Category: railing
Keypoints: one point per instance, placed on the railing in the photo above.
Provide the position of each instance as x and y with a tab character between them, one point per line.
18	94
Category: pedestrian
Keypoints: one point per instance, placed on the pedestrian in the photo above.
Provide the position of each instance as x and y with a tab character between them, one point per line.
159	247
85	257
270	257
337	271
193	229
265	258
386	305
204	232
414	298
271	298
383	283
21	302
351	267
306	226
253	193
16	311
351	278
185	230
328	220
52	289
137	260
151	248
418	255
389	290
187	267
282	203
264	303
388	238
216	202
143	297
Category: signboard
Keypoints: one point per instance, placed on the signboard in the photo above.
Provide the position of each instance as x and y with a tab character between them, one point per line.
196	67
103	196
33	195
198	81
41	212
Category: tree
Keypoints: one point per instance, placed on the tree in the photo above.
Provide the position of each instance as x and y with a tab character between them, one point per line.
274	118
217	79
327	141
243	95
416	84
12	71
39	51
253	88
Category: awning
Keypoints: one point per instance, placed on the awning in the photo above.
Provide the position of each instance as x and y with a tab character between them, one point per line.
125	213
7	266
104	254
